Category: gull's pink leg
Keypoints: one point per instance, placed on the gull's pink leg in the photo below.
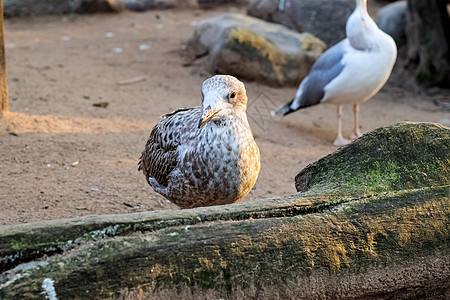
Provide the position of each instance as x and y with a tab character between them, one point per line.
356	132
339	141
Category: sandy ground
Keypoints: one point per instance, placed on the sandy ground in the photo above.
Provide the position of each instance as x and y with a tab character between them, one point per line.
64	155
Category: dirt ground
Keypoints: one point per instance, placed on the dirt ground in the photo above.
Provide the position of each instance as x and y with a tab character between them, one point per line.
64	154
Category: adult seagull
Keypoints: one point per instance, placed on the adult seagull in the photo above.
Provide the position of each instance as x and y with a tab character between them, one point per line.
350	72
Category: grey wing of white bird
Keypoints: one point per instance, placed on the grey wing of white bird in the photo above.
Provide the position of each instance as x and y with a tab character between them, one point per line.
160	155
312	89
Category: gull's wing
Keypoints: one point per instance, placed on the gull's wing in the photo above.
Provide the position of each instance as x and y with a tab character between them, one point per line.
161	152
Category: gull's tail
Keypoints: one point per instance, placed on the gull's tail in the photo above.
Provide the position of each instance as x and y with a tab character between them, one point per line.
283	110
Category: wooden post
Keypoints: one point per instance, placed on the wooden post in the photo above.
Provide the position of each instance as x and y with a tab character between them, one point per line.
4	105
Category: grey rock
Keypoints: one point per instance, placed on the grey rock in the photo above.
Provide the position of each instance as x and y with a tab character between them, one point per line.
96	6
324	18
392	20
144	5
250	48
24	8
215	3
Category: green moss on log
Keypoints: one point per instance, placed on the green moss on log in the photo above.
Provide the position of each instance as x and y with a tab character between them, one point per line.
351	238
26	242
399	157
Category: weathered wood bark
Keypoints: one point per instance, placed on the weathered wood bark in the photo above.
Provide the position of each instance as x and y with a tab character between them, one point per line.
403	156
4	102
394	243
428	37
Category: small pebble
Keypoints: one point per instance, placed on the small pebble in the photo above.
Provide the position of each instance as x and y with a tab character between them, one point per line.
101	104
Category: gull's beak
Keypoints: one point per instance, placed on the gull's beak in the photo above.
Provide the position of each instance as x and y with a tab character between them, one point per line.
208	114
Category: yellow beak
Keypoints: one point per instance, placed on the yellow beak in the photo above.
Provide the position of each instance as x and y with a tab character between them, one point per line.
208	114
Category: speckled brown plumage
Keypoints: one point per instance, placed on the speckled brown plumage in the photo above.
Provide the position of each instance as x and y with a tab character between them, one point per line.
212	165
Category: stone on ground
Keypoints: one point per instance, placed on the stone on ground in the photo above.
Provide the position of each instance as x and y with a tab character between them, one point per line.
25	8
253	49
392	20
145	5
325	19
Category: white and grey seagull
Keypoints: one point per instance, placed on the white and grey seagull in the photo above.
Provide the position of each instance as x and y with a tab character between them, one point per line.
204	155
350	72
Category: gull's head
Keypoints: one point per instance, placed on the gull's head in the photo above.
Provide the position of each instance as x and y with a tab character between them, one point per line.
222	95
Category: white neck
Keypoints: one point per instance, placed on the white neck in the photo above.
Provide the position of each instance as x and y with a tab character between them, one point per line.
362	31
361	4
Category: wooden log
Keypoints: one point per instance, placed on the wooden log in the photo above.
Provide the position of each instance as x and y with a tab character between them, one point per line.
350	244
403	156
394	244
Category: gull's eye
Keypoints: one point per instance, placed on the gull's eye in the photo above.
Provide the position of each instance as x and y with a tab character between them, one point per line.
232	95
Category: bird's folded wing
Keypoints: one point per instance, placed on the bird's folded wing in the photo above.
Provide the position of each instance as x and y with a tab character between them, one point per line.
160	155
324	70
182	109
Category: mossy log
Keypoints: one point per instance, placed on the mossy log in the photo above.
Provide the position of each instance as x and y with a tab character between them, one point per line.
403	156
392	243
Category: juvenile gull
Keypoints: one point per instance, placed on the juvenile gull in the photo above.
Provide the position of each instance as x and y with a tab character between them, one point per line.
350	72
204	155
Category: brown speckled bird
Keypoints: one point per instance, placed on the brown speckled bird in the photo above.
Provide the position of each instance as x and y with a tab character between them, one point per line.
204	155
